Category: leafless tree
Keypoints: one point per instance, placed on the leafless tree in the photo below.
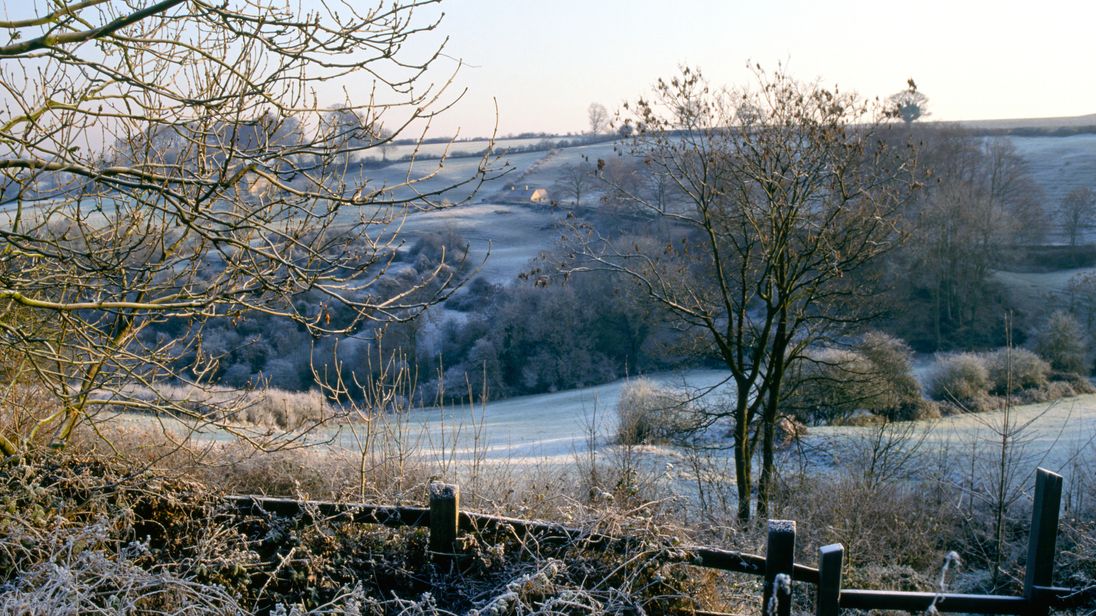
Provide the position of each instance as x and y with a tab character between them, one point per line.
1076	210
599	118
771	211
170	164
576	181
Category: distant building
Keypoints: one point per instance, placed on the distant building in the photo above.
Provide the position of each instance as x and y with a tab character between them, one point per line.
527	194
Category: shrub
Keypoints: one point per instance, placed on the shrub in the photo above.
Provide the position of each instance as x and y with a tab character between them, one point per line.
833	384
648	413
1015	370
960	377
886	527
898	394
1062	343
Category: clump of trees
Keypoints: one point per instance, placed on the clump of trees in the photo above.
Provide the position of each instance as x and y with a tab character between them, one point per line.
1076	212
550	333
973	381
978	202
1062	342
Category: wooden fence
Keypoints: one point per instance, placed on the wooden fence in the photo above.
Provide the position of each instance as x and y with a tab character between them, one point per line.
445	520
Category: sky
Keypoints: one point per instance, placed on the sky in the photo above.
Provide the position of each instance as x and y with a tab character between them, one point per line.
545	61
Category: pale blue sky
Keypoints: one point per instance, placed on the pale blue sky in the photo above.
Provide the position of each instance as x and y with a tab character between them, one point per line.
546	61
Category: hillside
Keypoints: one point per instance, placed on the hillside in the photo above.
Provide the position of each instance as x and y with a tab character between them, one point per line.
516	233
1088	120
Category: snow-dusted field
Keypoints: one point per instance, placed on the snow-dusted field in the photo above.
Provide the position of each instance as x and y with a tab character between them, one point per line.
553	428
535	169
437	149
546	428
1035	292
502	238
1056	435
1059	164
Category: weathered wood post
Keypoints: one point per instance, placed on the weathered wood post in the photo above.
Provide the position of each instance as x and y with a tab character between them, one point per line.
779	562
1042	540
828	594
444	521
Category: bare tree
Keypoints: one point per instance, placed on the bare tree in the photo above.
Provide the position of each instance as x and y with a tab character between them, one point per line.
599	118
575	181
1076	210
769	217
171	165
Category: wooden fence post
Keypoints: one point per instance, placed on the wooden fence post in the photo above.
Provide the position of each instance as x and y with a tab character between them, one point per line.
444	521
828	593
1042	540
779	562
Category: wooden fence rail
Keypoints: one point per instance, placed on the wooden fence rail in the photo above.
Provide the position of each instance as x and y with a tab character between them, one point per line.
445	520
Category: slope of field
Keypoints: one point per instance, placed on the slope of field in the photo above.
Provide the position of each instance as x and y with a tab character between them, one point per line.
1044	123
1039	292
532	429
536	169
553	428
1058	165
1057	435
517	234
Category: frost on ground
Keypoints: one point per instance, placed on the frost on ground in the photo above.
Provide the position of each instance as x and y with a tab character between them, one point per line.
1057	435
92	536
532	429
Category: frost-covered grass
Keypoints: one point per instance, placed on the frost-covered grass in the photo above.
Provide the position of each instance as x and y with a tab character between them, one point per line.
1056	435
91	535
1034	292
1058	165
533	429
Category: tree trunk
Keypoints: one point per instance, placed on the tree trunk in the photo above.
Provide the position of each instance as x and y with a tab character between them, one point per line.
768	419
742	454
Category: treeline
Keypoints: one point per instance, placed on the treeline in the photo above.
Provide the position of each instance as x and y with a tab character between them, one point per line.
544	145
255	349
548	333
977	202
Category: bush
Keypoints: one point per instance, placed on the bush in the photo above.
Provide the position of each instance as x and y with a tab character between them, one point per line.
833	384
960	377
648	413
476	296
1015	370
1062	343
898	394
887	527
